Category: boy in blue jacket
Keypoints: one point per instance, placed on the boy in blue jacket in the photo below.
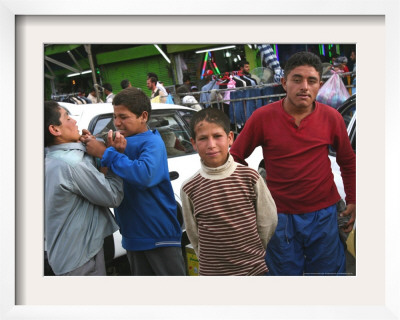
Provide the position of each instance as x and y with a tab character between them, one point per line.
147	216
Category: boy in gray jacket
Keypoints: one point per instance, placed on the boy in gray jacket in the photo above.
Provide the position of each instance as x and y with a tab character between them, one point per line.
77	198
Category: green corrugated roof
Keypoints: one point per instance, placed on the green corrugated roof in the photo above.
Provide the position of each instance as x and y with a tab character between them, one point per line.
173	48
59	48
127	54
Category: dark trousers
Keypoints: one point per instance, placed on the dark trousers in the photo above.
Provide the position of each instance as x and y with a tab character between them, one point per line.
163	261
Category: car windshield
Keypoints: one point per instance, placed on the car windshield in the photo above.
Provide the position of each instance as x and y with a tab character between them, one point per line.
173	126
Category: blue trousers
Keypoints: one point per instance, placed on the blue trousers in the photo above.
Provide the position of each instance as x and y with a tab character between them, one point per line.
306	244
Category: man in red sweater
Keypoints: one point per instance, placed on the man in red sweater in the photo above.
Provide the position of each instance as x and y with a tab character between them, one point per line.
295	134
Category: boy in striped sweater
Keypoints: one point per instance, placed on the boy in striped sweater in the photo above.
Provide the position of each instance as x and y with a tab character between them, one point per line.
228	210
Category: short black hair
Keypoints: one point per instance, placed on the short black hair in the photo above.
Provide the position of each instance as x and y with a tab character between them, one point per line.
107	86
211	115
303	58
134	99
186	77
153	80
125	83
52	116
152	75
241	63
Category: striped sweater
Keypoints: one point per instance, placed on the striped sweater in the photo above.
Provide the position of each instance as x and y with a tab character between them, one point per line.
229	217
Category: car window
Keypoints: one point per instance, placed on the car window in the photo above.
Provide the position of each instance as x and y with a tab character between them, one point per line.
100	125
173	127
186	116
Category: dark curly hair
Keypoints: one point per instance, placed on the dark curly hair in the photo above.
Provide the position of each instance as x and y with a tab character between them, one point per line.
134	99
211	115
303	58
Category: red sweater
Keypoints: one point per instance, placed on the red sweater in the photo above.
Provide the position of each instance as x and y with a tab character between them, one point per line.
299	174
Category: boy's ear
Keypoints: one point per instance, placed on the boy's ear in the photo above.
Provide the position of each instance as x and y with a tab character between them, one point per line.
193	144
54	130
231	138
145	116
283	82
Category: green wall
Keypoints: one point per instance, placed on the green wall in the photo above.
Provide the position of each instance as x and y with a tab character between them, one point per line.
251	56
127	54
136	72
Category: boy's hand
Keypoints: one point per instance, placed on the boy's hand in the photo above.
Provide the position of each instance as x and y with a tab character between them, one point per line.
118	141
94	147
350	210
86	132
86	135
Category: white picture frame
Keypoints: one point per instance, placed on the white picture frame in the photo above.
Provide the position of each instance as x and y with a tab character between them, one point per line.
384	181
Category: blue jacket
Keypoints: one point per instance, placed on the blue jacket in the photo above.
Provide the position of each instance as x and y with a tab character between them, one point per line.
147	215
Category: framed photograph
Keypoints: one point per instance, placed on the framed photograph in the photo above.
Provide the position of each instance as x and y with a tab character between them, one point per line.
373	292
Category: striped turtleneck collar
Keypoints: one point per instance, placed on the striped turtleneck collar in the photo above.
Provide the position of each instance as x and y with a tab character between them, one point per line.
220	172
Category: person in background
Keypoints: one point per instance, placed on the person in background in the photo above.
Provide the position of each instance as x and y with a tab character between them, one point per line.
159	85
155	92
295	134
187	99
147	216
81	96
244	67
334	57
125	84
353	69
340	65
228	210
186	82
184	95
195	93
108	91
185	87
77	199
93	97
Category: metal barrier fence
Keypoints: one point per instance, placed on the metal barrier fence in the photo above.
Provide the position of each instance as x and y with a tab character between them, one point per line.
219	101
